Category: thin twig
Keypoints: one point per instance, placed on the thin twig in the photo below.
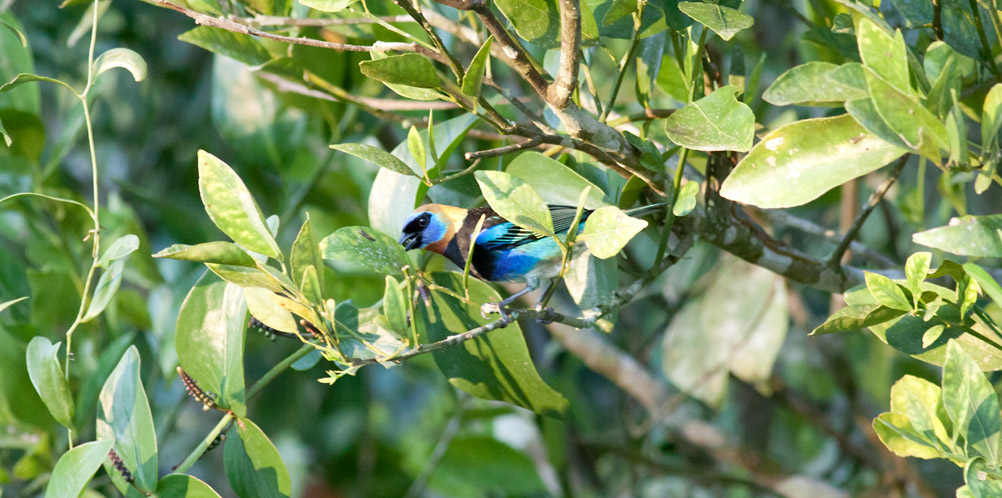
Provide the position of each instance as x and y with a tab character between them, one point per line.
507	149
836	256
809	227
450	431
230	25
277	21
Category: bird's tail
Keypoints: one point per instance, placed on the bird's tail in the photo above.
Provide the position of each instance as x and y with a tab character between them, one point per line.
646	210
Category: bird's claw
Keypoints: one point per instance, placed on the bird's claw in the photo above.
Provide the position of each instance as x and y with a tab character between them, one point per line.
547	318
495	309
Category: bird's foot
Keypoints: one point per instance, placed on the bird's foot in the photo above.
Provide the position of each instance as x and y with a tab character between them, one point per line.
547	317
496	309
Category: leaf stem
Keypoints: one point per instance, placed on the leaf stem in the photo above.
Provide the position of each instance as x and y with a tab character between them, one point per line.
985	46
200	449
625	62
670	214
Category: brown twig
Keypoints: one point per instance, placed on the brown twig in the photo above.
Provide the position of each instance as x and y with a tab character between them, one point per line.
562	89
836	257
507	149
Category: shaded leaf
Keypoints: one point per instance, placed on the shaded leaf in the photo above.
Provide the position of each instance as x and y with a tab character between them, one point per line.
106	288
7	304
492	366
225	253
474	75
327	5
800	161
365	247
856	317
47	376
210	340
686	201
536	21
556	183
76	468
376	156
306	254
253	465
715	122
985	281
904	114
184	486
123	415
239	46
120	248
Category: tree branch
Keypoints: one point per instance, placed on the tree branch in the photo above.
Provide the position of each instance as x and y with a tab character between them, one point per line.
507	149
562	89
875	197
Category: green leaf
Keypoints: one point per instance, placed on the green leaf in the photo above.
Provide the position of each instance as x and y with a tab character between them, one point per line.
985	281
123	415
474	75
405	69
483	466
977	236
897	434
592	282
249	277
106	288
232	208
7	304
920	129
932	335
556	183
991	116
210	340
608	230
365	247
798	162
47	377
515	201
618	10
120	248
226	253
305	255
715	122
124	58
311	285
810	84
686	201
6	136
253	465
916	271
980	484
239	46
416	147
886	292
884	54
724	21
918	399
17	60
17	32
856	317
90	389
971	402
327	5
865	113
262	305
395	307
492	366
76	468
536	21
377	156
184	486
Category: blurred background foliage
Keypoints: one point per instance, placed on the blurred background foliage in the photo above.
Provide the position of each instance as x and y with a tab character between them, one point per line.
799	426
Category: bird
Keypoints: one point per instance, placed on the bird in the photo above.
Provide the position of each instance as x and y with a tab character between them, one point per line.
503	251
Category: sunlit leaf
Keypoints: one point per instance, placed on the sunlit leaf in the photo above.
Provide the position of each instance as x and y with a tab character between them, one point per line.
210	340
810	83
556	183
239	46
883	53
184	486
856	317
365	247
226	253
120	248
515	201
124	58
376	156
978	236
972	403
715	122
327	5
232	208
405	69
798	162
724	21
886	292
261	304
608	230
306	254
105	290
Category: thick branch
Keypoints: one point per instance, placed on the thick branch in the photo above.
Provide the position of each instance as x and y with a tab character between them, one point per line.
562	90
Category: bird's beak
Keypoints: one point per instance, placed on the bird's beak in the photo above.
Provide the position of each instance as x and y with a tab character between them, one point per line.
409	241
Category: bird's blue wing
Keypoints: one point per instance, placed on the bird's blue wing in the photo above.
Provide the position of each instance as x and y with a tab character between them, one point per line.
508	235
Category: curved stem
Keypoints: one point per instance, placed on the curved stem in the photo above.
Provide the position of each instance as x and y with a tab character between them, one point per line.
200	449
670	214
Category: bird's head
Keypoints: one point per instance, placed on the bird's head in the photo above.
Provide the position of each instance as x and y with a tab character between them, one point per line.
431	227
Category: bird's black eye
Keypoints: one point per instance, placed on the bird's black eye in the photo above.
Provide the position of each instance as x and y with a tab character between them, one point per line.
422	221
